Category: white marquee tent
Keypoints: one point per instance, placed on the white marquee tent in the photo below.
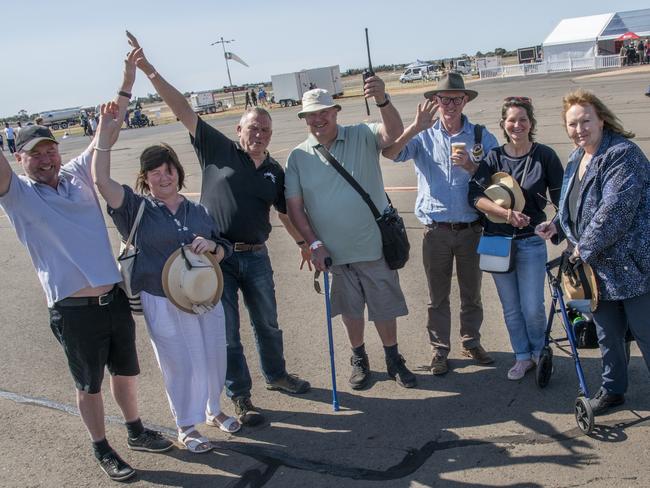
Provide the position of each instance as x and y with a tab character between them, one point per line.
586	37
575	38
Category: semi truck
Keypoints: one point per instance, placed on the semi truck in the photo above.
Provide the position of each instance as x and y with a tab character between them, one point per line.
204	103
61	119
288	88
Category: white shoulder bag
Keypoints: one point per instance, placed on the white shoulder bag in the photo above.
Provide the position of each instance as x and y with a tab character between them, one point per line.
126	260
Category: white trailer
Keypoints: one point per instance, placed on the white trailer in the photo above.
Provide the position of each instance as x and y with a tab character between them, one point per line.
289	87
204	103
328	78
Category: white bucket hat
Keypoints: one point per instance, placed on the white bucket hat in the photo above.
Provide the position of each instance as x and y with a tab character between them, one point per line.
315	100
190	279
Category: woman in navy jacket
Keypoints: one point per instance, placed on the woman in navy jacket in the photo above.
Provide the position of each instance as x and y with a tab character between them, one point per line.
604	214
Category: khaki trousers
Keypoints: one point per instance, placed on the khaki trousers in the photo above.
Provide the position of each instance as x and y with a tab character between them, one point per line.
439	248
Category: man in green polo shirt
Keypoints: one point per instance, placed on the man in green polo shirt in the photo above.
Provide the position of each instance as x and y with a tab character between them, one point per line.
337	223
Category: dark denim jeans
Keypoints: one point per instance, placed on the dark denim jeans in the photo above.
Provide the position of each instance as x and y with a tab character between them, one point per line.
251	273
612	318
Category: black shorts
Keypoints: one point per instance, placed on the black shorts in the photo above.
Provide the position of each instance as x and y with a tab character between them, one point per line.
95	336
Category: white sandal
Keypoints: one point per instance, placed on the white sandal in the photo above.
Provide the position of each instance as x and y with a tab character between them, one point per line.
229	426
194	442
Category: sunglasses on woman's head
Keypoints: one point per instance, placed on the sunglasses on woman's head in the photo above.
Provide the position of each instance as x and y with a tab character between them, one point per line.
518	99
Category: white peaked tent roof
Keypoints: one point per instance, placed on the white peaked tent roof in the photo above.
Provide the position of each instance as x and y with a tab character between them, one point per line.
578	29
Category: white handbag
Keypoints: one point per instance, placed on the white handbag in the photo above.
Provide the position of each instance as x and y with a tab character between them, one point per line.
126	260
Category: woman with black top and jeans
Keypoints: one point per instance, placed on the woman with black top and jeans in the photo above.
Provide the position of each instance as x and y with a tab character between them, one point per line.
538	171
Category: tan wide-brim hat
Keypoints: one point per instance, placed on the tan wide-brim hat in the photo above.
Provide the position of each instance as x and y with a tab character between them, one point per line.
506	193
200	285
452	81
315	100
580	283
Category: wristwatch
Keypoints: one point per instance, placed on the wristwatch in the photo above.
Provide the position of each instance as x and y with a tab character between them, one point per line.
385	102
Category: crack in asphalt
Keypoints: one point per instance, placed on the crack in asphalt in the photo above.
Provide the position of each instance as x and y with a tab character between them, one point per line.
272	459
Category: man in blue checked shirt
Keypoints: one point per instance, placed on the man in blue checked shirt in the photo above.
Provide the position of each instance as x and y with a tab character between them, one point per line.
439	148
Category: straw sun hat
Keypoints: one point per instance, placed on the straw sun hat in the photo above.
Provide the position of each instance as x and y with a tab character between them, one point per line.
506	193
191	279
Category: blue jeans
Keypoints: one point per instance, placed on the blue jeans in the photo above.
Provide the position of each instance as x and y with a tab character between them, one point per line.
251	273
522	296
613	317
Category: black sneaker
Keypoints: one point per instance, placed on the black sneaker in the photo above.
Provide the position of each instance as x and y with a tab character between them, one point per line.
150	441
603	401
115	467
246	412
360	372
289	383
397	370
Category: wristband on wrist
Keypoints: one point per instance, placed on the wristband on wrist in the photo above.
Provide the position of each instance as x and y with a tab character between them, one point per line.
152	75
315	245
385	102
101	149
123	93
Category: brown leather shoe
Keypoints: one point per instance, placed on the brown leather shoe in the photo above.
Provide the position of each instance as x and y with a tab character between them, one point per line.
478	354
439	364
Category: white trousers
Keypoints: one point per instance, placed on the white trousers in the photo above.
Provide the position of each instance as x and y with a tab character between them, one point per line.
191	353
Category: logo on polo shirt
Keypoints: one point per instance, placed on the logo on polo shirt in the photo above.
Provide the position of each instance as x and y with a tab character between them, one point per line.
269	176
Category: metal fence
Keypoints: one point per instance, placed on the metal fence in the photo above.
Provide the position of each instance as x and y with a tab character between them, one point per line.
568	65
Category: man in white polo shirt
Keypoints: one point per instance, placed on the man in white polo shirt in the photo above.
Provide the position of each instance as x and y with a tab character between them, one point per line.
336	222
58	218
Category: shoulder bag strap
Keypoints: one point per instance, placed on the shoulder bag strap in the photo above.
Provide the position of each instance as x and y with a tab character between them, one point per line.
348	177
478	133
136	223
529	159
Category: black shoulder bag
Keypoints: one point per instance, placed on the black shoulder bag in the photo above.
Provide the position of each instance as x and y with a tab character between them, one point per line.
395	242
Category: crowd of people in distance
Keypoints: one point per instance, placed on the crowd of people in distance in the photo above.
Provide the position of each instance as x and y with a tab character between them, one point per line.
602	198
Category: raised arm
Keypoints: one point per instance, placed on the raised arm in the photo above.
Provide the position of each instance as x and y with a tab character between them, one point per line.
170	95
123	96
425	116
5	174
109	124
392	125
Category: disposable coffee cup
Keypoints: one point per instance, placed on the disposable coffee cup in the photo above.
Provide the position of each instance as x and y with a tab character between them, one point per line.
457	147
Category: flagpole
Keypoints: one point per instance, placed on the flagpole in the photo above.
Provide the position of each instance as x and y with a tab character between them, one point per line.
223	46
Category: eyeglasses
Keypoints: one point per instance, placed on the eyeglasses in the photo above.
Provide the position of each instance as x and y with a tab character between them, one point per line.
188	263
518	99
448	100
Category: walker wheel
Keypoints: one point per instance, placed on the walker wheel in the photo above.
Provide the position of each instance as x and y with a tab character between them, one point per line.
544	367
584	415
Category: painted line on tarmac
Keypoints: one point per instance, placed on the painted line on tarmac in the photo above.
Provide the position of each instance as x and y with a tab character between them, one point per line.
272	458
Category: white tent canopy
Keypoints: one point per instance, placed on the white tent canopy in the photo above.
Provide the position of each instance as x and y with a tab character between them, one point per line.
575	37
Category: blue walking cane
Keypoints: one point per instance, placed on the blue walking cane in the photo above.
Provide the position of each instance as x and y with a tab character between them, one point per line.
326	280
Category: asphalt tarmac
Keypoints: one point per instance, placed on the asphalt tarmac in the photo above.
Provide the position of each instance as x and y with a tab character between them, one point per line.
469	428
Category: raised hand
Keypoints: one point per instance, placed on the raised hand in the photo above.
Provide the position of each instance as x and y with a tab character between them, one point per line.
375	87
425	115
139	58
109	125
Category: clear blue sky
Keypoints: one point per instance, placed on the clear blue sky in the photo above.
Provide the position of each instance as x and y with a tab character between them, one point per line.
68	53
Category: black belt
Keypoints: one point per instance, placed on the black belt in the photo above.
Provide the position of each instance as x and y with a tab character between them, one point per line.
101	300
453	225
243	247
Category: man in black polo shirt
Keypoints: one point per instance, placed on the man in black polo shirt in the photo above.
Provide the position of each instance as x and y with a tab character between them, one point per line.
240	183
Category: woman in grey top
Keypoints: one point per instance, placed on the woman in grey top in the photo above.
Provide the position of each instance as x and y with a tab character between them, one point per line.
190	348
